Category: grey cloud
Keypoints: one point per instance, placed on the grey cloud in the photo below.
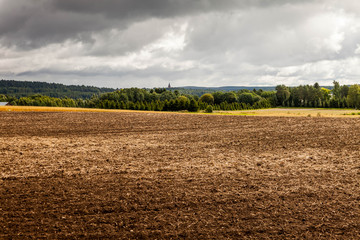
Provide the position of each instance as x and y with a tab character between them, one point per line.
278	36
228	42
157	8
114	42
34	23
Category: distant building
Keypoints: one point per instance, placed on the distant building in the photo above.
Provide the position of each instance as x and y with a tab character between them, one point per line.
169	86
4	103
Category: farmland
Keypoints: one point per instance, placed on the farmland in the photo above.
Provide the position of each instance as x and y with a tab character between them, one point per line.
142	175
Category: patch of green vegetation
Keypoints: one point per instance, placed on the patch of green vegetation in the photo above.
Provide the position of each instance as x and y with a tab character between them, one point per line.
209	109
354	113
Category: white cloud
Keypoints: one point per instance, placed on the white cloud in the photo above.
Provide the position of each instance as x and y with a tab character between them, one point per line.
357	50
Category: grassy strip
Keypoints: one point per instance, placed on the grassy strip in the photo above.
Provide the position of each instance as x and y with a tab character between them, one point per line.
272	112
296	112
353	113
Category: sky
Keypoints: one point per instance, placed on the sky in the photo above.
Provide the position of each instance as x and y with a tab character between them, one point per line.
150	43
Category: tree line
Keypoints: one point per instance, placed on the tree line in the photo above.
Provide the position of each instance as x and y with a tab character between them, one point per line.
158	99
27	88
162	99
315	96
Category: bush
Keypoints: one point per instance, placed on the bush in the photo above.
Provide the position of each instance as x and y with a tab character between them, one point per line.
209	109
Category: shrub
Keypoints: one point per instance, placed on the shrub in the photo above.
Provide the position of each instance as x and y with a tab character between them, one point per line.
209	109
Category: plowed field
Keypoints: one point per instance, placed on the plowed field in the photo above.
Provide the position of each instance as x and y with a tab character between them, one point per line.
154	176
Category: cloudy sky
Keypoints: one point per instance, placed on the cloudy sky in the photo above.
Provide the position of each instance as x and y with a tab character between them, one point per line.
149	43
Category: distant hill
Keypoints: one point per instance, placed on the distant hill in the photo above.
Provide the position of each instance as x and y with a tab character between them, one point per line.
232	88
193	90
26	88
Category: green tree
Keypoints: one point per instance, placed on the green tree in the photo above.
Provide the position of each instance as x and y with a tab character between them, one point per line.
344	91
317	86
167	95
218	97
325	94
230	97
182	103
282	94
248	97
336	90
353	98
3	98
193	106
207	98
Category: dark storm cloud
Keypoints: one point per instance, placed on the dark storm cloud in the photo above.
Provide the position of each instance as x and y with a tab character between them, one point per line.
34	23
156	8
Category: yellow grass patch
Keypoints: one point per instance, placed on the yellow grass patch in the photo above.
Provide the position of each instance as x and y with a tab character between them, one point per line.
272	112
297	112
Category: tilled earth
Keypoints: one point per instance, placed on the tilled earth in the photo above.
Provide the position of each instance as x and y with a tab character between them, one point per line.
156	175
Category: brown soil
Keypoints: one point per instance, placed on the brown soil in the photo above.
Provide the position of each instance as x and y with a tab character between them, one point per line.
154	176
